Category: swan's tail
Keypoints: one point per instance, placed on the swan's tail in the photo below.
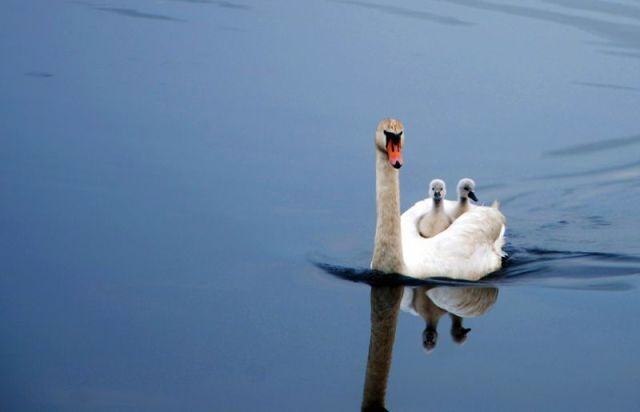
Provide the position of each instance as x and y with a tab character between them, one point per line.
496	204
499	243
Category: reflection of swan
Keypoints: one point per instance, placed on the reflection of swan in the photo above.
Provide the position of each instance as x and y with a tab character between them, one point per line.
431	303
436	219
386	302
385	305
469	249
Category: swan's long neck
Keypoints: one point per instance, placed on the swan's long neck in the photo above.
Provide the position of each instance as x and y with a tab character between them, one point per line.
387	253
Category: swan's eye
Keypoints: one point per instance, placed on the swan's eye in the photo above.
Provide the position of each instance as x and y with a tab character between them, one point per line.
393	137
466	188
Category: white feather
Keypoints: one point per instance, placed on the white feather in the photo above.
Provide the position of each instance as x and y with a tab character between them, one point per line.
469	249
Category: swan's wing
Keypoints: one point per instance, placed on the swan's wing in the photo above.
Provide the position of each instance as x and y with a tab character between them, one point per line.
450	206
499	243
418	209
409	219
469	249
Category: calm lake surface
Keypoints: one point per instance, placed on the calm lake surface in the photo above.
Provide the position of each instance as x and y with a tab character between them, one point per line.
175	175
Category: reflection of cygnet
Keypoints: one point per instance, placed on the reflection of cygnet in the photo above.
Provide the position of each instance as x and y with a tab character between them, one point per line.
466	188
424	307
435	220
458	331
429	338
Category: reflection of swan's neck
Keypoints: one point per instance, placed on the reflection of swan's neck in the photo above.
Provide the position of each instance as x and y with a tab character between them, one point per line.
385	306
387	253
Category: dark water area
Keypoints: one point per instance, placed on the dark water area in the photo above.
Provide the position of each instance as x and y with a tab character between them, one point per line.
187	204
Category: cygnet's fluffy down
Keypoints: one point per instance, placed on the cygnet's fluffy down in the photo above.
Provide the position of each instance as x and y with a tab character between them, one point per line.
436	220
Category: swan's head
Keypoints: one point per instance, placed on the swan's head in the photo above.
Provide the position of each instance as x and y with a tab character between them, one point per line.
390	139
429	339
437	189
466	189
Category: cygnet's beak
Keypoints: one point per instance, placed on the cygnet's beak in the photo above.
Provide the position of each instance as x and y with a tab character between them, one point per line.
437	195
472	196
459	335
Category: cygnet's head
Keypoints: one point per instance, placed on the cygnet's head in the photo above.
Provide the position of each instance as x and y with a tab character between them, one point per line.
390	140
429	339
437	189
466	189
459	334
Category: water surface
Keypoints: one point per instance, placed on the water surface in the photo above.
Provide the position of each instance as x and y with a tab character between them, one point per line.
173	172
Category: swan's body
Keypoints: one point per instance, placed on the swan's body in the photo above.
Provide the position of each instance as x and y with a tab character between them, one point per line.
436	220
469	249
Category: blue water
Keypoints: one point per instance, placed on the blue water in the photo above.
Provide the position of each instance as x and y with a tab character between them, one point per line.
177	178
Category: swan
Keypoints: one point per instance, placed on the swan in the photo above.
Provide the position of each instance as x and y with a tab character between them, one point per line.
435	220
466	191
469	249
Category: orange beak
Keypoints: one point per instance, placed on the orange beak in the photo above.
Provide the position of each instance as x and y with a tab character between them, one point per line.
395	154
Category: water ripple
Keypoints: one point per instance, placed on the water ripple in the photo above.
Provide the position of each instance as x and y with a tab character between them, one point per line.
405	12
595	147
138	14
561	269
606	86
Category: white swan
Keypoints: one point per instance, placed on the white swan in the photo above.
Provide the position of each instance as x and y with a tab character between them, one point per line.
469	249
436	220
